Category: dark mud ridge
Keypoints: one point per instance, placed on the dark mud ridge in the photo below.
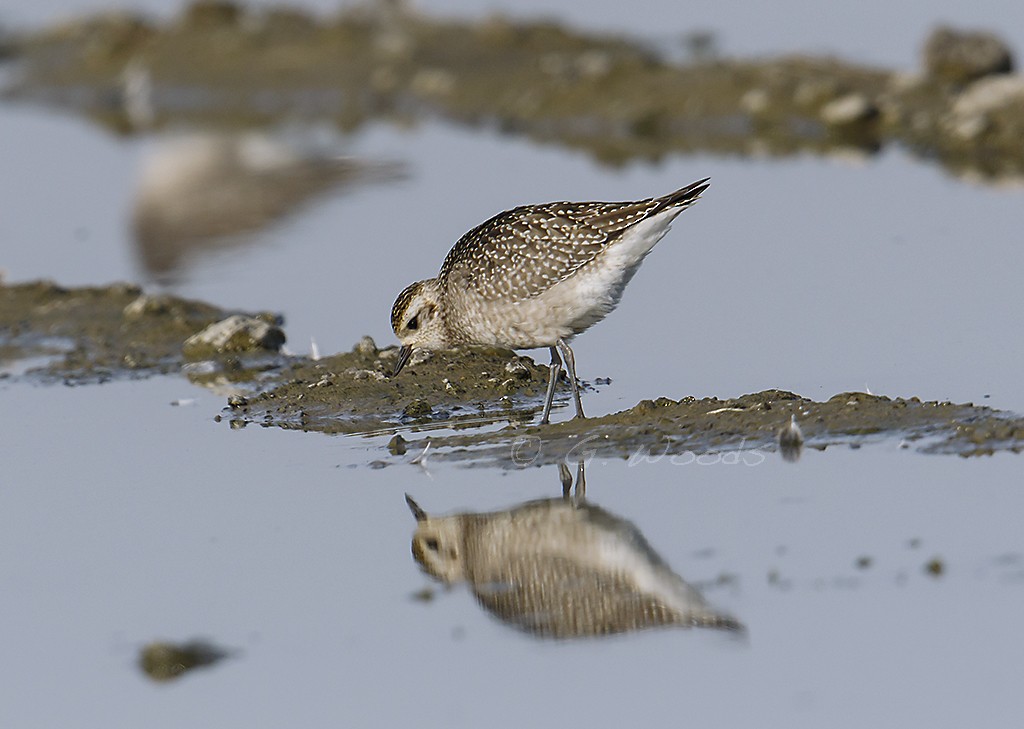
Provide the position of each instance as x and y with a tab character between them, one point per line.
653	429
95	334
222	64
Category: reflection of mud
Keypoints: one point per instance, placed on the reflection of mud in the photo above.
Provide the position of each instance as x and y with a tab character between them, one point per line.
560	568
206	190
613	97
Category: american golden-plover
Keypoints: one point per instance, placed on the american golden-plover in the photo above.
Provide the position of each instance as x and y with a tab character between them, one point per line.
536	276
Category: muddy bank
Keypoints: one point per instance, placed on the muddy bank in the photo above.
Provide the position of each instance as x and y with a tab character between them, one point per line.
748	427
354	392
617	98
446	397
94	334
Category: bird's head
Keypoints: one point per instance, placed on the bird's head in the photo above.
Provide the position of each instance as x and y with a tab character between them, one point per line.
416	319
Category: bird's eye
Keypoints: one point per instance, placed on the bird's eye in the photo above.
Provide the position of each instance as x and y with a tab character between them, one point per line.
413	323
432	545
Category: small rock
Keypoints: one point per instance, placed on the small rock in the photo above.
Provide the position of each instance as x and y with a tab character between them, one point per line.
989	94
849	109
518	369
147	305
237	401
959	56
594	63
418	408
396	446
366	346
237	333
755	101
972	114
419	356
970	128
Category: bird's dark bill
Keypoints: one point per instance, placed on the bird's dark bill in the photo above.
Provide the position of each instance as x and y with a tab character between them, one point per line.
404	353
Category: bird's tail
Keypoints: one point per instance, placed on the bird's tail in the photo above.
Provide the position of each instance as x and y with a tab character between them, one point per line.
682	198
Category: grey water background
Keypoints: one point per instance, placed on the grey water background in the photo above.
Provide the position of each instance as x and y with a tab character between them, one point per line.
124	519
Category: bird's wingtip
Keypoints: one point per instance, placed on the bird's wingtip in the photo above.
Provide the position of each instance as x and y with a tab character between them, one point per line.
685	195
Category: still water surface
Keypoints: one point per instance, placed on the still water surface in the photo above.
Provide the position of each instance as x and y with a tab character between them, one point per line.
124	520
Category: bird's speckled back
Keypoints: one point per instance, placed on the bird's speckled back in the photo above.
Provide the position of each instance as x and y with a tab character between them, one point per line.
525	251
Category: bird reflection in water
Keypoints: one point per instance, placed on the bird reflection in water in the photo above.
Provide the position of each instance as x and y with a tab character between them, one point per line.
208	190
560	568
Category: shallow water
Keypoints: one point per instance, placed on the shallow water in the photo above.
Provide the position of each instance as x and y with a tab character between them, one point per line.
153	522
876	585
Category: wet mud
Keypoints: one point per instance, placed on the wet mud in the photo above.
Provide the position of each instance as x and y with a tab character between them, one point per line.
423	411
743	430
354	392
95	334
445	399
620	99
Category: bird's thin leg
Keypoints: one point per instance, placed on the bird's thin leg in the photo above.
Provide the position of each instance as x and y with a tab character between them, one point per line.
556	366
566	478
570	362
581	481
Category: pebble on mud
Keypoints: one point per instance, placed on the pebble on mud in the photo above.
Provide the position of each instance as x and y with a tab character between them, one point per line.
151	305
971	115
418	408
397	445
963	56
518	369
366	346
847	110
237	333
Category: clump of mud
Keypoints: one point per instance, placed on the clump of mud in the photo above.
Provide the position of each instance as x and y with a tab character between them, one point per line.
222	64
748	425
463	389
98	333
164	661
356	392
94	334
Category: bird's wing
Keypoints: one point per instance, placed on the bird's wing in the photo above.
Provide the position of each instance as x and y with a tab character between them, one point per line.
523	252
